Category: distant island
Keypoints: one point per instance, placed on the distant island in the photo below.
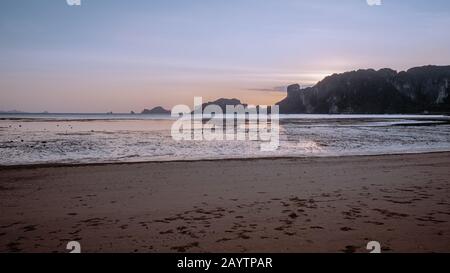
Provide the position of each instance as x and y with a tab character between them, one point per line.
418	90
156	111
12	112
223	102
21	112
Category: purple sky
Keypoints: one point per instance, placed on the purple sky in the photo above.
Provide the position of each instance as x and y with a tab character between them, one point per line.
121	55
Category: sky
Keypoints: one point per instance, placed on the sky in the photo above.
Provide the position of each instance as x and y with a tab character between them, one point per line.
117	55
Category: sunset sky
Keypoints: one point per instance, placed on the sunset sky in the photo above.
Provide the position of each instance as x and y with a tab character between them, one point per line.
117	55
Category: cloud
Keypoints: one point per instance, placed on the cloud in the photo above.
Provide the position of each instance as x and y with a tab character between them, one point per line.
271	89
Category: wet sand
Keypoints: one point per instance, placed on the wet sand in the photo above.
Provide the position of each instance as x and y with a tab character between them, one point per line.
258	205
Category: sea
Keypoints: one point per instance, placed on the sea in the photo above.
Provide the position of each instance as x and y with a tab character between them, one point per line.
28	139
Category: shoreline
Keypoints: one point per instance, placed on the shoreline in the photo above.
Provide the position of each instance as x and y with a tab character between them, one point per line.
278	206
64	165
54	117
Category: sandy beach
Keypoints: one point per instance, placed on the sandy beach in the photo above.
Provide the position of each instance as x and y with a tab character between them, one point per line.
333	204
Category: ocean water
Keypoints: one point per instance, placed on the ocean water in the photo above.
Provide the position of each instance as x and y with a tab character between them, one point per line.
98	138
